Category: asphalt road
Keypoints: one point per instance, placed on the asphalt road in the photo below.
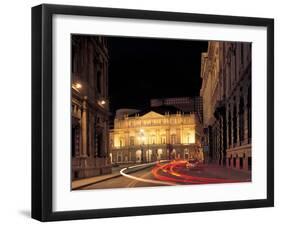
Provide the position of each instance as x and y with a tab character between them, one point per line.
124	182
172	173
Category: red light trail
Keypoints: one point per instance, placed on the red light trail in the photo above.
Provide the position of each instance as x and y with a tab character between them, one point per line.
177	171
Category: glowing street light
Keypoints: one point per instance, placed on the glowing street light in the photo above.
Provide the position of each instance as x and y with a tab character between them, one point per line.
78	86
102	102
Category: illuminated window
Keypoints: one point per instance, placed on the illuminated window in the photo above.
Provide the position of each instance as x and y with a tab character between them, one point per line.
187	138
153	139
132	141
173	139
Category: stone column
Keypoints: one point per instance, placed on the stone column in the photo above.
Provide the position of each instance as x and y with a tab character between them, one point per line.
224	138
84	127
158	138
105	139
246	120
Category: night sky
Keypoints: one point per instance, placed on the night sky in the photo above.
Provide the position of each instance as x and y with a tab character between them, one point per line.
144	68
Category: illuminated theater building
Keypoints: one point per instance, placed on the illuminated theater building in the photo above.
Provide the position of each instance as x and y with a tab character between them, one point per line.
159	133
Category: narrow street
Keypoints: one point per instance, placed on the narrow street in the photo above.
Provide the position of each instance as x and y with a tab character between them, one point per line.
177	172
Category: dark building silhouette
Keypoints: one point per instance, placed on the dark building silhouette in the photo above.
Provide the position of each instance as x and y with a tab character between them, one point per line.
185	104
90	110
226	92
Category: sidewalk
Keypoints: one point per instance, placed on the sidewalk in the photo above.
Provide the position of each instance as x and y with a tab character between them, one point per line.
77	184
80	183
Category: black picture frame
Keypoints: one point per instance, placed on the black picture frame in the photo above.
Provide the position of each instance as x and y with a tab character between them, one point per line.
42	111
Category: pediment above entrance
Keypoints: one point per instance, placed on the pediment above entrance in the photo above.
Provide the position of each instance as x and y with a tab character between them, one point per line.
152	114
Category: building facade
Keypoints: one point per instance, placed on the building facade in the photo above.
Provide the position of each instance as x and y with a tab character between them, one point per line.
90	110
226	93
154	136
185	104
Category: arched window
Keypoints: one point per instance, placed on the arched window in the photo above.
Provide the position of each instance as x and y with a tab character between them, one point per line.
173	139
163	140
187	138
153	139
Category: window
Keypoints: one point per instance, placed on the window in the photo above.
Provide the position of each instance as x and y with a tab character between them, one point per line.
73	142
153	139
132	141
234	162
173	139
73	57
187	138
249	163
100	145
241	163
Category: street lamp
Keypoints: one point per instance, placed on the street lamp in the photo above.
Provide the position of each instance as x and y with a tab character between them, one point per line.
77	86
102	102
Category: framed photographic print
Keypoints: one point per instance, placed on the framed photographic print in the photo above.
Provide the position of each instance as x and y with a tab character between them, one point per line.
146	112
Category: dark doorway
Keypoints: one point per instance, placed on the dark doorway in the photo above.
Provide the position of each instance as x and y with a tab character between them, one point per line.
249	163
99	145
241	163
74	140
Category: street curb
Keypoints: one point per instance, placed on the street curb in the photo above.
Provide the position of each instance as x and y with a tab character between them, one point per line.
109	178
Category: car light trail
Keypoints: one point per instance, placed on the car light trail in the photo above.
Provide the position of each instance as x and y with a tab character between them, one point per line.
172	172
123	173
